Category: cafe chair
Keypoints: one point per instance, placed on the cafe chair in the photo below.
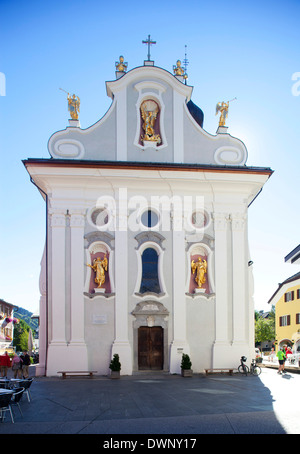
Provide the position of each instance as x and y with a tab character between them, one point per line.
5	400
26	384
17	396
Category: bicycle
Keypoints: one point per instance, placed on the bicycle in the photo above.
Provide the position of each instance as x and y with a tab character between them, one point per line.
254	368
244	369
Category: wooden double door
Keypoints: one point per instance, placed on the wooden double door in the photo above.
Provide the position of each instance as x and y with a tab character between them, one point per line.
150	348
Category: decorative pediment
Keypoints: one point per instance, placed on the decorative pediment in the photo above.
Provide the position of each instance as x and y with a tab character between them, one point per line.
150	308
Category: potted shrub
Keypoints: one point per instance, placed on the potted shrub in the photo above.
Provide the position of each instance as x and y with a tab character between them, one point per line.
186	366
115	366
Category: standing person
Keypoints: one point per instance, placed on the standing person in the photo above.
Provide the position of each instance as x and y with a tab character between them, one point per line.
272	354
5	364
16	366
284	359
25	365
280	355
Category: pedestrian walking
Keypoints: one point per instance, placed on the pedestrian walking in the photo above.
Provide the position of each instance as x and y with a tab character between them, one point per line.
16	366
4	364
281	357
25	365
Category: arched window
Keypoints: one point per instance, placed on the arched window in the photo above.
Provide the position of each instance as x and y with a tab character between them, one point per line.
150	281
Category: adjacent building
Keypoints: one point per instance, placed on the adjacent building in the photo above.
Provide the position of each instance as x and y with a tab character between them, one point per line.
7	322
287	307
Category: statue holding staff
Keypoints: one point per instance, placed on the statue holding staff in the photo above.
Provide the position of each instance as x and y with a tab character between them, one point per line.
223	107
73	105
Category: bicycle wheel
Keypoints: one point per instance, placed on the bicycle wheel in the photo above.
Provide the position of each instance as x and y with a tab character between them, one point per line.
243	369
256	370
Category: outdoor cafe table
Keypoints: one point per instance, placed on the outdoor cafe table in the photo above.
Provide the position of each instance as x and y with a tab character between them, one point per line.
6	391
10	382
5	382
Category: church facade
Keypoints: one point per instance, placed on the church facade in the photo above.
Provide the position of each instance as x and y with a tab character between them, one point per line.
146	249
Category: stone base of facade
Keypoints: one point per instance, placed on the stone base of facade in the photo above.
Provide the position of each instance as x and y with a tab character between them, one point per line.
66	357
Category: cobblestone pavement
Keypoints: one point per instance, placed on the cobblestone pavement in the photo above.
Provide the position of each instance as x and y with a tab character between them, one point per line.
161	404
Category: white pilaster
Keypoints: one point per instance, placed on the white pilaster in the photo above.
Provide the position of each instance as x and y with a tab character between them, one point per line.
57	349
77	350
121	344
58	272
179	344
121	125
77	278
178	142
239	284
222	276
41	366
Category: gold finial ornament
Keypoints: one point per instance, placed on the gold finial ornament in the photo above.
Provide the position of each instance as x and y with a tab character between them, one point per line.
201	267
178	70
121	66
99	266
223	107
149	111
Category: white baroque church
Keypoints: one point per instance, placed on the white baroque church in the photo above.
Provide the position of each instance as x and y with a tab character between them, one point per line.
146	250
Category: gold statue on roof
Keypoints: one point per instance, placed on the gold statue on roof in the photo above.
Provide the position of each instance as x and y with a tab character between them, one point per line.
121	66
73	106
223	107
201	267
178	70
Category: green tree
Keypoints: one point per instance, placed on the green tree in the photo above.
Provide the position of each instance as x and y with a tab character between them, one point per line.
265	327
21	331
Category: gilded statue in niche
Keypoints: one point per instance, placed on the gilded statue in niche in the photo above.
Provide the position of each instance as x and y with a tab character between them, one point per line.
99	266
149	112
201	267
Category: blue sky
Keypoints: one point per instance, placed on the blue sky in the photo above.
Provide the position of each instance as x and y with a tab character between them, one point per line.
235	49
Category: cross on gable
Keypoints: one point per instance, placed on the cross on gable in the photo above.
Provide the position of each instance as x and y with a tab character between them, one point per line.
149	42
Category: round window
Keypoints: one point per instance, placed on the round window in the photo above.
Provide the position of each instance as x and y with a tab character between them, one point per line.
100	217
199	219
149	218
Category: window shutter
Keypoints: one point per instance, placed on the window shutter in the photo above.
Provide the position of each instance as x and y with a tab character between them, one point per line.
285	297
292	295
280	321
288	320
297	319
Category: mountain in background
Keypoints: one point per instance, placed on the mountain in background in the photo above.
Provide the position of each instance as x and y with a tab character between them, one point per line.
25	315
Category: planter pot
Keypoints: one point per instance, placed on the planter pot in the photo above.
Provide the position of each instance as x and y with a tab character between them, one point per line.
115	374
186	372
